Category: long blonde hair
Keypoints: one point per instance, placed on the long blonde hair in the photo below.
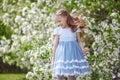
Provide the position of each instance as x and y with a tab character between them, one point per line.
73	22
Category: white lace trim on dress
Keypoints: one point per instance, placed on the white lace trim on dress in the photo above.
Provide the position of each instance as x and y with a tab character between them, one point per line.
79	67
71	74
62	61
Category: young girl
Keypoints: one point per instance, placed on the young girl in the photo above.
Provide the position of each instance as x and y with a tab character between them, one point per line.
68	52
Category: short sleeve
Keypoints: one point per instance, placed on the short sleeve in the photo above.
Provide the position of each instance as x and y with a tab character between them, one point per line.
78	30
56	31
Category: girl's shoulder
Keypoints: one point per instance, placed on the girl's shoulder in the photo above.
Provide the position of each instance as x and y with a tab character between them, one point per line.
78	30
56	30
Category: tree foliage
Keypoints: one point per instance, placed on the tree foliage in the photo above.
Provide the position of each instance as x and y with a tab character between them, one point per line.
27	26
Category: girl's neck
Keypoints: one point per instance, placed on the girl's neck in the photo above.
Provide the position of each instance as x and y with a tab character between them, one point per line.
66	26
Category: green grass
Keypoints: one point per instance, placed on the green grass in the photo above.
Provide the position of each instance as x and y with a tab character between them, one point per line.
12	76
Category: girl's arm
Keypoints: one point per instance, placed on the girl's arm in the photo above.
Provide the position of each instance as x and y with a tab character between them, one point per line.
84	50
79	41
56	39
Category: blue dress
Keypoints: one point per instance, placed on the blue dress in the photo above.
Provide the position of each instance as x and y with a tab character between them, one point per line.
69	59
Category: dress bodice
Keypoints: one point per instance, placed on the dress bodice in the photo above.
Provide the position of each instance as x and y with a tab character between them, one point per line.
65	34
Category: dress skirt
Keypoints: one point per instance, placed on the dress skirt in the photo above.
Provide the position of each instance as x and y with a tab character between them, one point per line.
69	60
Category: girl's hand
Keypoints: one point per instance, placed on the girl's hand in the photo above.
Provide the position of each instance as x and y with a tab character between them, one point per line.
85	50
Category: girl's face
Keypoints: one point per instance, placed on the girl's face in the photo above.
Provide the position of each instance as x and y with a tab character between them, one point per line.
61	20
